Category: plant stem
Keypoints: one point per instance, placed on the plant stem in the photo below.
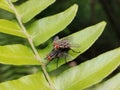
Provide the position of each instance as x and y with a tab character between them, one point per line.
32	45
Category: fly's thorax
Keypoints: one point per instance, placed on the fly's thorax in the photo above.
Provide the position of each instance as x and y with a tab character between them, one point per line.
61	44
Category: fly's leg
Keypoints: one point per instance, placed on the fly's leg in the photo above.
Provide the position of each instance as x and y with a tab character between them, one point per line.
57	62
65	55
66	59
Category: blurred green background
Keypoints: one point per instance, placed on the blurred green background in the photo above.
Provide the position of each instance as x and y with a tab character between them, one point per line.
90	12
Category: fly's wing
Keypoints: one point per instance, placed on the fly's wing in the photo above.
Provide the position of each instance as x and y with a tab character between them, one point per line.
56	42
71	44
55	39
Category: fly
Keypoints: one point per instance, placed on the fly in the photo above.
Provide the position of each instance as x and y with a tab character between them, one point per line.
60	49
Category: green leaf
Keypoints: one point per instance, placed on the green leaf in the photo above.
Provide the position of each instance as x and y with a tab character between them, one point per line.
111	84
4	5
30	82
17	55
14	0
45	28
81	41
31	8
10	27
88	73
6	39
